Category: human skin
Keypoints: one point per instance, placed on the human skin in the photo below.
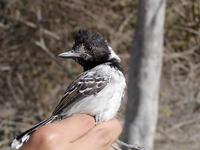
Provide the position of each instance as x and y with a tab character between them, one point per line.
77	132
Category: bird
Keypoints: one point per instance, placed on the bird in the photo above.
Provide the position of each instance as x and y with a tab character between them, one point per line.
97	91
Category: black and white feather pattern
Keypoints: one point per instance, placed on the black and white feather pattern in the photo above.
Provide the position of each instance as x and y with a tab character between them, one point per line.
97	92
87	84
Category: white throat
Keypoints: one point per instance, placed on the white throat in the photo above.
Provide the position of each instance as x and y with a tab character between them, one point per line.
113	54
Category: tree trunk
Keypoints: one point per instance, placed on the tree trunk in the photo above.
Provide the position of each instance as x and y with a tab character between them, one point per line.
144	74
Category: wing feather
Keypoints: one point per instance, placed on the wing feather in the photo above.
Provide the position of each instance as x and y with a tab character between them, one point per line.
88	83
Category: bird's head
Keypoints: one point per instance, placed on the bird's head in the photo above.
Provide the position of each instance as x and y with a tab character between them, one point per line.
90	49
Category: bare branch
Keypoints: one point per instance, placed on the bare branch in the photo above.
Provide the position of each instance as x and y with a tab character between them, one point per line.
190	30
43	47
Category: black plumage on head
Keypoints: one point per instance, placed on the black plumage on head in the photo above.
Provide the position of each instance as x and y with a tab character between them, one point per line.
91	43
90	39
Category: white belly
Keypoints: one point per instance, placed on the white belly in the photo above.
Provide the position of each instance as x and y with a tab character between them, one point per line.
105	104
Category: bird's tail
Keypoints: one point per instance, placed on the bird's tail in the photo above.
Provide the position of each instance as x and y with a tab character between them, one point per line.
23	137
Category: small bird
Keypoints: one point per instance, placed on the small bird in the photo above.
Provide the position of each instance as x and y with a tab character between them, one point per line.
98	91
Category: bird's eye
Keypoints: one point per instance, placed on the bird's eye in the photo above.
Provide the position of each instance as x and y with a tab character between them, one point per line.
86	56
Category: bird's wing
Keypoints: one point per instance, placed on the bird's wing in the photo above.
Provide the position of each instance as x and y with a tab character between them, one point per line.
88	83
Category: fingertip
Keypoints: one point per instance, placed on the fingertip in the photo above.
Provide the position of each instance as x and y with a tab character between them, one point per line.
109	131
113	126
102	136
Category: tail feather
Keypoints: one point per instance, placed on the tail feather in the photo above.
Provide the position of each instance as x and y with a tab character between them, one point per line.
23	137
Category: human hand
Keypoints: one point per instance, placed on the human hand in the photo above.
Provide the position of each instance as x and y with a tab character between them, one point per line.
75	133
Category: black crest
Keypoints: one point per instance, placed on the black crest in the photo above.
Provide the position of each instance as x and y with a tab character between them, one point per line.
94	45
90	39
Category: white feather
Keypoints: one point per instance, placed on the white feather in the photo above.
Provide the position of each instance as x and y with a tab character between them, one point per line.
106	103
113	54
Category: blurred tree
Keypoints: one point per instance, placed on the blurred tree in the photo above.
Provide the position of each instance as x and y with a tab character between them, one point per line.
144	74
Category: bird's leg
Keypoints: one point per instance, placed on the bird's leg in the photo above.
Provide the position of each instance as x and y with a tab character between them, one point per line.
129	146
115	146
118	144
98	119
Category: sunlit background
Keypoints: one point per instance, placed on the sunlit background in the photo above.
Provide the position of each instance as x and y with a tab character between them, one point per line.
33	78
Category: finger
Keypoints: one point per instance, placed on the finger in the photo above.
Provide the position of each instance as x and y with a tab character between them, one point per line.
69	129
76	126
101	137
111	148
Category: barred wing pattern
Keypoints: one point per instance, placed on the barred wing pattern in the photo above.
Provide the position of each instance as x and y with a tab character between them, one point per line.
88	83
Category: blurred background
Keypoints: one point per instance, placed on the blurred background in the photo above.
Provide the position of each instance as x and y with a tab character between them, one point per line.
33	79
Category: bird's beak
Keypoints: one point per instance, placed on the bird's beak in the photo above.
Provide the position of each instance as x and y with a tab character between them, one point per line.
69	54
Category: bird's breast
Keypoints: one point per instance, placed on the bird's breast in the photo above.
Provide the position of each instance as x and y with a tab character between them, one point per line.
106	102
